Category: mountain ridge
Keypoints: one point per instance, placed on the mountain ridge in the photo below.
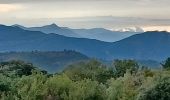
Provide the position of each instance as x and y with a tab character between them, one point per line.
148	45
153	45
94	33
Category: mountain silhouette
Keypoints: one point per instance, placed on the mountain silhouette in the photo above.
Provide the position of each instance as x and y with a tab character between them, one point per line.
152	45
94	33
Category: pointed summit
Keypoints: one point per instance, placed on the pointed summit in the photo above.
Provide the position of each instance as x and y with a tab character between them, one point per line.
53	25
19	26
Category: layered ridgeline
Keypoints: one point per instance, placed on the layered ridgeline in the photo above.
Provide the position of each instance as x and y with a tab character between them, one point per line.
94	33
56	61
146	46
17	39
53	28
51	61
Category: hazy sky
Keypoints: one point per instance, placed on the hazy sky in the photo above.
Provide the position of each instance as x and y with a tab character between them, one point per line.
149	14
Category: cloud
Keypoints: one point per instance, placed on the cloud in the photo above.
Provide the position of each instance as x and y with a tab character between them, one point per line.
8	7
24	1
108	22
28	1
31	12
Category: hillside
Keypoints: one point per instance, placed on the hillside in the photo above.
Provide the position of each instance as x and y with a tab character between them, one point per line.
149	45
51	61
17	39
146	46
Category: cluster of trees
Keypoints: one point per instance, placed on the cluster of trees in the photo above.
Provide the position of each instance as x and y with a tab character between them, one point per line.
92	80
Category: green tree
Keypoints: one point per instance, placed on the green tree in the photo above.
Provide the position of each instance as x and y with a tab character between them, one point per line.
124	88
93	70
31	87
57	87
166	65
159	91
121	67
87	90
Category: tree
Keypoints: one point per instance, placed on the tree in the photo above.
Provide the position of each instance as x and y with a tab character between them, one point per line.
93	70
147	72
160	91
121	66
123	88
87	90
57	87
18	68
31	87
166	65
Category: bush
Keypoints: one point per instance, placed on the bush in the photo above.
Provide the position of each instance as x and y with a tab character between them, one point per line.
166	65
158	91
121	67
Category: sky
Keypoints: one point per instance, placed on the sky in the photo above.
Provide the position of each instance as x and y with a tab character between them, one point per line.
110	14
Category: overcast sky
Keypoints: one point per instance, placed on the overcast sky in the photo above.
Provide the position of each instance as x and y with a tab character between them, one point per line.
149	14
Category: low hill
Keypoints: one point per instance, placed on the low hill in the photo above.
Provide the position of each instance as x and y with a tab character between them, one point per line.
51	61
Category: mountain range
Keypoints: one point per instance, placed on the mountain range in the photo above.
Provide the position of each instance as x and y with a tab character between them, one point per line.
94	33
152	45
17	39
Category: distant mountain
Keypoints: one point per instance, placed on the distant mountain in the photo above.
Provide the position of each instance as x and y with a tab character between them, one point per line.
152	45
146	46
94	33
103	34
53	28
51	61
17	39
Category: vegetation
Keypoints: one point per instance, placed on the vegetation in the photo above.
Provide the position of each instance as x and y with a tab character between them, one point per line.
84	81
166	65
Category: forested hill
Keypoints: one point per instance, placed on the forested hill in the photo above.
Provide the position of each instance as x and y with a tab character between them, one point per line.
51	61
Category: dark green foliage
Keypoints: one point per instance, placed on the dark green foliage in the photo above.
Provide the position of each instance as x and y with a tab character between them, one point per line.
83	81
93	70
121	66
4	87
147	72
17	68
161	91
166	65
